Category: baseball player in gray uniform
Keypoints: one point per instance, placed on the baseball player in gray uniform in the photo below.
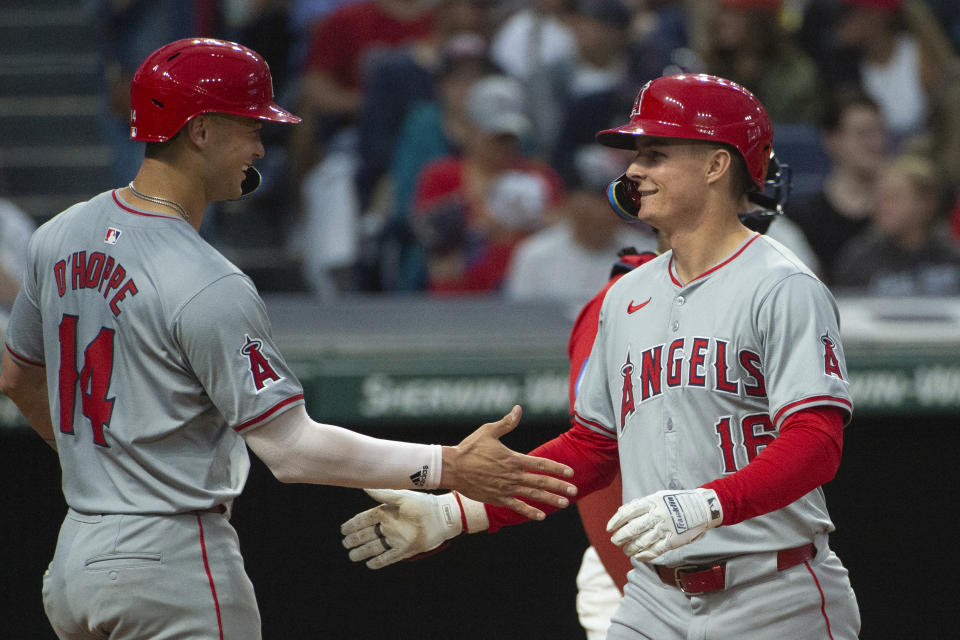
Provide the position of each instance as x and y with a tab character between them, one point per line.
146	360
717	380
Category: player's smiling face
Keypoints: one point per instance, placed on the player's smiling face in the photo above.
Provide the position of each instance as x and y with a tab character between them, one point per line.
667	178
238	145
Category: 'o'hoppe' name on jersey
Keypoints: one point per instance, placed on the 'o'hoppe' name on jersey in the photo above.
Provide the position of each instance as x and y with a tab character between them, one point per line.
97	271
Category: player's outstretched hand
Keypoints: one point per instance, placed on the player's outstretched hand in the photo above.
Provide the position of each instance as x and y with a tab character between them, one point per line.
406	524
650	526
483	468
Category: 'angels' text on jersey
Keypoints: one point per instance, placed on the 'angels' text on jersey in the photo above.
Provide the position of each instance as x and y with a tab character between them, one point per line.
98	271
693	362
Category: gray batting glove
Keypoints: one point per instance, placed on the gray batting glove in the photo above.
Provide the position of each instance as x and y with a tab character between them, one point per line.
408	524
648	527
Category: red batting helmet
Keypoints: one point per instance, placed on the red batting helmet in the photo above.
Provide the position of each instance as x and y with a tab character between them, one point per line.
700	107
188	77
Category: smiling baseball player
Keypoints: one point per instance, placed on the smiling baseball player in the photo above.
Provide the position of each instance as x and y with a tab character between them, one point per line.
717	380
146	360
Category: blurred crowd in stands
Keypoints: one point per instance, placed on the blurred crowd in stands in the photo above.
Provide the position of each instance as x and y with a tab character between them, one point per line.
447	145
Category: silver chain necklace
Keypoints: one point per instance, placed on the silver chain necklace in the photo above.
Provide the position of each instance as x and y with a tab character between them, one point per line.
176	206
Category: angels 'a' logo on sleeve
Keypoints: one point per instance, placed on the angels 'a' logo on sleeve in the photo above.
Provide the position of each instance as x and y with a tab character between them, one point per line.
831	364
261	372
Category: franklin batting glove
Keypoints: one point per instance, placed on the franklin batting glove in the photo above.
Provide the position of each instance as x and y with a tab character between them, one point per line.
408	524
648	527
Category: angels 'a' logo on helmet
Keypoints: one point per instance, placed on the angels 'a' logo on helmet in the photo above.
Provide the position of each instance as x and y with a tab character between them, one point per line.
639	100
261	372
831	364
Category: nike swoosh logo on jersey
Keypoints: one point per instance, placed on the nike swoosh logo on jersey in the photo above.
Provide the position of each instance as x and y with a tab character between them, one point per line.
636	307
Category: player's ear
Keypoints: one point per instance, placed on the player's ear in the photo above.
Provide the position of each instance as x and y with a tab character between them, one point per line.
717	164
198	130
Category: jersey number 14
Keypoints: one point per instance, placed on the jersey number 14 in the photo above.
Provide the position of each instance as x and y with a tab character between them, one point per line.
92	380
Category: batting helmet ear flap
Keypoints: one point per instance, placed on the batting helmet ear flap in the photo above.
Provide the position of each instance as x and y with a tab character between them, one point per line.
620	195
252	182
770	204
776	191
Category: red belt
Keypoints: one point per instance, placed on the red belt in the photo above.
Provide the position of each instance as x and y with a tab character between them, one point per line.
697	579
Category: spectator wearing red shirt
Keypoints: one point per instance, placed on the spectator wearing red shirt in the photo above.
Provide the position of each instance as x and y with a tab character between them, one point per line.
470	210
331	90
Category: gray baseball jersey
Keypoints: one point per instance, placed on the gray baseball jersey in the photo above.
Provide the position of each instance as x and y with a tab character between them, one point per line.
158	352
694	380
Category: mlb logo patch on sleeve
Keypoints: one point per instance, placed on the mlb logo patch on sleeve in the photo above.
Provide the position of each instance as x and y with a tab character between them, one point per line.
113	235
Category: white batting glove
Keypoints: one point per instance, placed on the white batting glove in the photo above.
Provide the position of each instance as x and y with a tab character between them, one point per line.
650	526
407	524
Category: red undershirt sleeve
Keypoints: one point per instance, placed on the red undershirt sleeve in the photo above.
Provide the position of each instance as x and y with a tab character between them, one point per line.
804	456
592	456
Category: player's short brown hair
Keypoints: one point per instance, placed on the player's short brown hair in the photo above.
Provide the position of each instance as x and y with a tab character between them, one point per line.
156	150
740	180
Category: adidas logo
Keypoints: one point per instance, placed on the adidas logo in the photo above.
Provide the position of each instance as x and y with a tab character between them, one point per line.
420	477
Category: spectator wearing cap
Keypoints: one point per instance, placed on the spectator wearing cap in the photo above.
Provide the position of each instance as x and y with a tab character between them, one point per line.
564	261
471	209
